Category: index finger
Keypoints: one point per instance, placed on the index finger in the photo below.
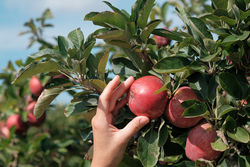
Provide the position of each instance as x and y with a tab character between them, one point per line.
108	90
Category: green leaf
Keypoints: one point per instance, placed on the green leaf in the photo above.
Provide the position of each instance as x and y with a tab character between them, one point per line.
102	65
194	108
200	27
171	64
64	44
76	37
244	15
222	4
229	124
147	149
234	38
149	29
117	10
144	13
44	100
87	50
127	161
107	19
86	134
162	133
58	82
36	68
98	84
134	57
45	52
230	84
209	57
196	27
185	164
164	10
219	145
135	10
224	109
211	90
172	158
243	161
173	35
240	135
123	66
225	163
85	56
113	35
119	43
79	107
47	14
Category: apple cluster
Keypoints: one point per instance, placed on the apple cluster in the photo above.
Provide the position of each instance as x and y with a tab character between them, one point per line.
36	89
143	101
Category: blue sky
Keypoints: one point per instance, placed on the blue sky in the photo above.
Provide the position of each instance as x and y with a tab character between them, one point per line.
68	15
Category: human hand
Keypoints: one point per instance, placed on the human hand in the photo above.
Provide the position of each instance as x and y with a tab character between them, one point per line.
109	142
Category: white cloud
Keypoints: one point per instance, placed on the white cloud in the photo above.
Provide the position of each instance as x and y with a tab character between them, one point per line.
72	6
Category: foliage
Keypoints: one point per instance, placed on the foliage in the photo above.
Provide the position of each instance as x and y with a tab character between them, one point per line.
210	54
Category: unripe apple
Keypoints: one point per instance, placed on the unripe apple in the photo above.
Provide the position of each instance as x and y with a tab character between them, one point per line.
36	86
175	110
4	131
142	98
198	144
162	41
16	120
31	117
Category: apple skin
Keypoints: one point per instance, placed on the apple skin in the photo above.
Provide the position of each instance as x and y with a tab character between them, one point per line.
31	117
141	98
36	86
198	144
162	41
16	120
4	131
175	110
29	99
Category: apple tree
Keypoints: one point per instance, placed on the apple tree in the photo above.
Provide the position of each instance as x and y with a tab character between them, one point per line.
205	71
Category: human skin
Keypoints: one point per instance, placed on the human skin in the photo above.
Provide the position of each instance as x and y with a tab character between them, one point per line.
110	142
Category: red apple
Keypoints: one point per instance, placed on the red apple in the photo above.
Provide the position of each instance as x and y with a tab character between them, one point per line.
162	41
198	144
29	99
36	86
16	120
175	110
142	99
4	131
31	117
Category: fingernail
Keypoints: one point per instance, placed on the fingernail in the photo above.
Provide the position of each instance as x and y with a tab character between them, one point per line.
115	77
144	120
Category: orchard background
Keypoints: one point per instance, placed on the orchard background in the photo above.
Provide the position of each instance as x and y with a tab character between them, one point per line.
209	54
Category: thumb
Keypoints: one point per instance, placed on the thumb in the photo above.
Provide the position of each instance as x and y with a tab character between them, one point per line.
133	126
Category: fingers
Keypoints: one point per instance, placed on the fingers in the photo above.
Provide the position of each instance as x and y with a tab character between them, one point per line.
119	105
107	93
121	89
133	126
